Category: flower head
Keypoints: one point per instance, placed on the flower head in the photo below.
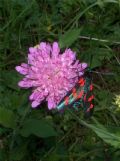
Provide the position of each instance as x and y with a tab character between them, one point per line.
50	73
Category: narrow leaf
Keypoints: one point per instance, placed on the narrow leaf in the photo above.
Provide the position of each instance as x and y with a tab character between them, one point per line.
109	137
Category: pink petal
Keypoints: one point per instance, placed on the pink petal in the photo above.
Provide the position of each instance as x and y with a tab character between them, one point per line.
32	49
56	50
24	84
31	59
22	70
70	54
51	104
81	73
35	104
44	50
84	65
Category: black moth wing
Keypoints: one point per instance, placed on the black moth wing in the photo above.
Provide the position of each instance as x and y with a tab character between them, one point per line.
88	102
69	100
81	95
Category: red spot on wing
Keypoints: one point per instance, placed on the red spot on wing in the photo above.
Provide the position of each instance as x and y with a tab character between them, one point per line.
91	87
91	106
82	82
74	93
90	98
84	97
80	94
66	100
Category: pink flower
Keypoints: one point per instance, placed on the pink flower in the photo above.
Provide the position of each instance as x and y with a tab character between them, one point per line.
50	73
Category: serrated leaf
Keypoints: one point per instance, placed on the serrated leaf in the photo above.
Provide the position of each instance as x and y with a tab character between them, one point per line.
69	37
7	118
40	128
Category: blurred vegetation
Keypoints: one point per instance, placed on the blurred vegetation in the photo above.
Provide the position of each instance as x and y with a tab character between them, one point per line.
92	29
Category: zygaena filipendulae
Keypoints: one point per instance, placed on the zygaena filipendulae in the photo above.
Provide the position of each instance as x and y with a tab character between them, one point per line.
81	96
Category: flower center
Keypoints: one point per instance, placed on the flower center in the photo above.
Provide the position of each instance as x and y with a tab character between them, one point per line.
50	76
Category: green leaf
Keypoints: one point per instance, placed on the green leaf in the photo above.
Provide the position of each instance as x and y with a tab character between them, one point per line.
95	62
10	79
100	54
40	128
112	138
69	37
19	152
7	118
109	136
3	155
